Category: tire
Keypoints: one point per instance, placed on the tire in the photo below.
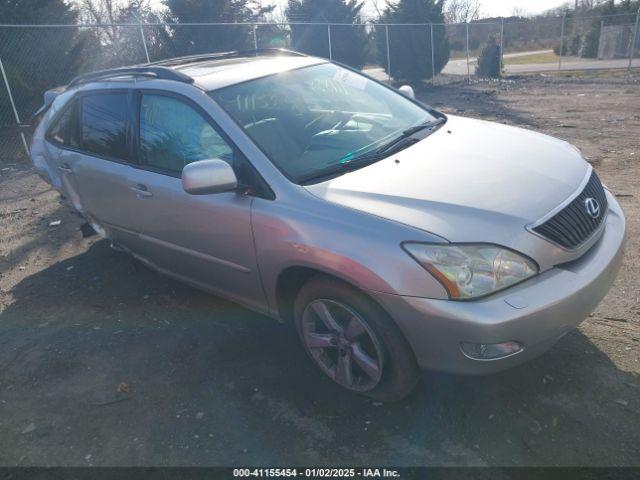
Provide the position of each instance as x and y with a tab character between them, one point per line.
371	340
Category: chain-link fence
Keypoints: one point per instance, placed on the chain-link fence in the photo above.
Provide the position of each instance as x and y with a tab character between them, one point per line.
35	58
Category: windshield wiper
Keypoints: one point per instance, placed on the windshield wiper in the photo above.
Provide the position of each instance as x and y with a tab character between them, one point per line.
409	132
398	143
341	168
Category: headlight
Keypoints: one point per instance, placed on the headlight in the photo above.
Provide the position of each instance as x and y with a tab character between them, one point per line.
472	270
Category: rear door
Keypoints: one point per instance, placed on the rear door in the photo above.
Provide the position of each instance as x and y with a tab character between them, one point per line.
62	135
101	163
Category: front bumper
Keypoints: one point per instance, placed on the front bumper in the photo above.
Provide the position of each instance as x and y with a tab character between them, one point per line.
535	313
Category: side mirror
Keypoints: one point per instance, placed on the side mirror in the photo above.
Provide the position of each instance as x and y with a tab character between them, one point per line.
208	176
407	91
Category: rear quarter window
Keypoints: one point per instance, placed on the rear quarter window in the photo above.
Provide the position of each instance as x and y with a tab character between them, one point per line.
63	131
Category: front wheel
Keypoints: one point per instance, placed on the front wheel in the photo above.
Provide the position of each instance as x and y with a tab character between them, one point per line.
353	341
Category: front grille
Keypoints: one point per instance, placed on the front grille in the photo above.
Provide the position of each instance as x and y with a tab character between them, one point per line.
573	225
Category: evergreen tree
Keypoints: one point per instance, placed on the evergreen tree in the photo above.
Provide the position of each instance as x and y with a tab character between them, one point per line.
35	58
195	39
489	61
622	13
410	46
38	58
348	40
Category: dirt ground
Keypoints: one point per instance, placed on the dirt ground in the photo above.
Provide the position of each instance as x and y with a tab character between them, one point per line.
104	362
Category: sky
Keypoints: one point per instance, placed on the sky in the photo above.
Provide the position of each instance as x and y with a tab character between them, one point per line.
502	8
488	8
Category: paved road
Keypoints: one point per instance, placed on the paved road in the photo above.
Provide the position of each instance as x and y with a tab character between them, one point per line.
572	65
459	66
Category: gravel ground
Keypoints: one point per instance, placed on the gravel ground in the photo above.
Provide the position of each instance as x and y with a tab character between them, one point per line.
104	362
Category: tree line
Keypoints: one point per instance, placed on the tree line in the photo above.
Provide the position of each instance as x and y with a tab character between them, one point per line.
36	59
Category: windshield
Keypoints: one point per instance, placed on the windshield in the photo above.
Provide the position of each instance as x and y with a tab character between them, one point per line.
309	120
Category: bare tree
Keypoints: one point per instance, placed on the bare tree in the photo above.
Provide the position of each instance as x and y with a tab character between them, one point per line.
376	8
114	11
520	12
462	11
110	12
123	45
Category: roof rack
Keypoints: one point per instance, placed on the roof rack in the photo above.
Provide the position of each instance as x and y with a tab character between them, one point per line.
161	69
159	72
171	62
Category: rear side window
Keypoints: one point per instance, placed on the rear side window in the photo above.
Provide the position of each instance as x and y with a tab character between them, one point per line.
64	130
173	134
104	124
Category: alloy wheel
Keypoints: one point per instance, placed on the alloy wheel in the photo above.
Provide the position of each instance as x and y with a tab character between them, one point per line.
342	344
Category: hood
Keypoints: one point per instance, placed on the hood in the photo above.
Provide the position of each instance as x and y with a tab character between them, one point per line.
470	181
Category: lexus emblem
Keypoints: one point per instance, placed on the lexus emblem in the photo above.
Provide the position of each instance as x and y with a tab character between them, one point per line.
592	207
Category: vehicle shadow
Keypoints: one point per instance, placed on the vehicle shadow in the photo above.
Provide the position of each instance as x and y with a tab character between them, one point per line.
105	362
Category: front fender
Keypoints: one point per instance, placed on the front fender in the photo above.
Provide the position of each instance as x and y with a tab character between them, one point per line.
362	249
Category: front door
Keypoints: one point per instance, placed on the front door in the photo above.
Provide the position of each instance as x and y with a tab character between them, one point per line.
205	239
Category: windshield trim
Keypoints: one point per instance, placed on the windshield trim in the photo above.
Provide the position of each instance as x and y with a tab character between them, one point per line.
297	181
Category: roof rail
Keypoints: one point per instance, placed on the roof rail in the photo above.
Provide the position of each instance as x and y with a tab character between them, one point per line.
138	71
162	71
222	55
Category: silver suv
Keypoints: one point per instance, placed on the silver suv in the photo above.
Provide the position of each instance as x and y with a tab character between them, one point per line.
396	238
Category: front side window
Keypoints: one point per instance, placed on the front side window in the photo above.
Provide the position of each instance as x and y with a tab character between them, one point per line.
173	134
64	131
316	118
104	124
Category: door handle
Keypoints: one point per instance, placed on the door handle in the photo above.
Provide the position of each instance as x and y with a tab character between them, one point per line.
141	191
65	168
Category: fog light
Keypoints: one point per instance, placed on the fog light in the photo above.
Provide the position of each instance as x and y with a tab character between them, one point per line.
490	351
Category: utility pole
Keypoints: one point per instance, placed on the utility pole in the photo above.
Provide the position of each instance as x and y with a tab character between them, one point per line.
634	40
564	16
501	43
13	107
468	66
386	31
144	42
433	59
255	38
